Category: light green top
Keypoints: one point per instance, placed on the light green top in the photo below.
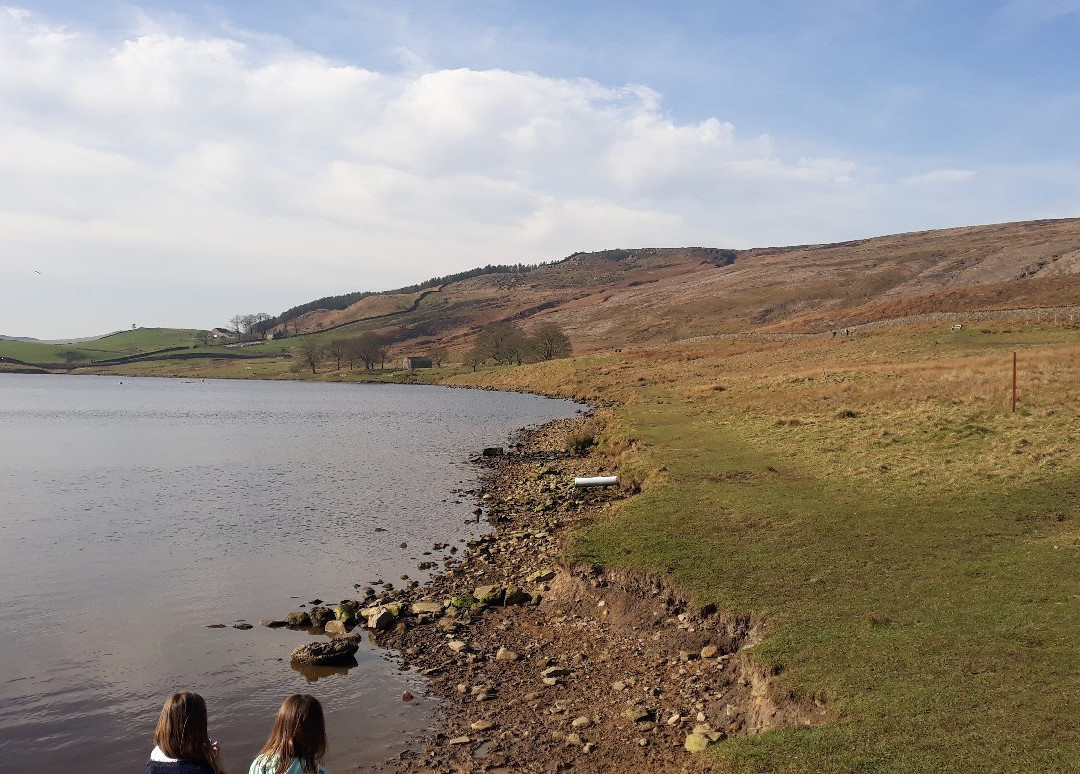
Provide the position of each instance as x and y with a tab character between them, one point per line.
265	764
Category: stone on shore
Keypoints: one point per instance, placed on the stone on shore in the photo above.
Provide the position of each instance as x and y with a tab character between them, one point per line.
380	619
335	628
515	595
696	743
433	608
541	576
505	654
345	614
555	671
273	623
463	600
327	652
298	618
490	595
320	615
637	713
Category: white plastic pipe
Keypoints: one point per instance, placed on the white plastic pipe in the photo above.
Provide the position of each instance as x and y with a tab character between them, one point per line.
597	481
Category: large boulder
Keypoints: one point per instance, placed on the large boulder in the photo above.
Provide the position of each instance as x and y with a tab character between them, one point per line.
319	615
340	650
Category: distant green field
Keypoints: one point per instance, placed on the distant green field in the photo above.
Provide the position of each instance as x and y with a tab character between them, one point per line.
111	346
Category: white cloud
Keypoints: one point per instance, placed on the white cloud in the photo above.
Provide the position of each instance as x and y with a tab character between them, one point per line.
940	176
255	165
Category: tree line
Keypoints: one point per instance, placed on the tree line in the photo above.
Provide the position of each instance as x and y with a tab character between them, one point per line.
501	342
507	342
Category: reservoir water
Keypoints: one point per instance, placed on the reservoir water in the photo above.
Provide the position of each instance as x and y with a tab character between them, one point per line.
134	513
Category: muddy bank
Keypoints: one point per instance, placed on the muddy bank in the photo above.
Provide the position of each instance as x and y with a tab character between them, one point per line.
545	667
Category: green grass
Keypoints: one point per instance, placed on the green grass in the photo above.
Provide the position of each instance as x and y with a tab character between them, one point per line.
115	345
977	668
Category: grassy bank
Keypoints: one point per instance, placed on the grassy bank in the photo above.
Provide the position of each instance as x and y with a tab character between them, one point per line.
913	544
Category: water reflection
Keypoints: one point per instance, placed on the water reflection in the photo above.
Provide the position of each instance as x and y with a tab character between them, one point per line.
314	673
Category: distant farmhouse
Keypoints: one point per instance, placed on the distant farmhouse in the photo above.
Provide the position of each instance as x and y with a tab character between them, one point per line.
416	362
220	333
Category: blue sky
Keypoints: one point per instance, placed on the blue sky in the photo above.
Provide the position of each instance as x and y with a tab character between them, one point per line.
177	163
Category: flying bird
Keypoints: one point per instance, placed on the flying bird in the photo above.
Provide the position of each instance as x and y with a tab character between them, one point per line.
36	271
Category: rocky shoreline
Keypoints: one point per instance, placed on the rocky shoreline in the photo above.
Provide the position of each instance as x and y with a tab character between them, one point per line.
547	667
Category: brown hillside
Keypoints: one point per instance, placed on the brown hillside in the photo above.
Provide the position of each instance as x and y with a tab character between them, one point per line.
617	298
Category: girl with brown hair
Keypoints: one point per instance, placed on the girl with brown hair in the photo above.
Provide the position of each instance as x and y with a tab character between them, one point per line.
298	740
181	742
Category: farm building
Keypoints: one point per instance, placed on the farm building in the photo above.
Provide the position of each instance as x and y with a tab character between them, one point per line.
416	362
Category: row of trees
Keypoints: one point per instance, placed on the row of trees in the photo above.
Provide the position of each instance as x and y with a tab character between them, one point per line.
249	327
507	342
367	349
502	342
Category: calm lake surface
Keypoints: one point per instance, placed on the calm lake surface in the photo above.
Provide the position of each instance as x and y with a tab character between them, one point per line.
135	512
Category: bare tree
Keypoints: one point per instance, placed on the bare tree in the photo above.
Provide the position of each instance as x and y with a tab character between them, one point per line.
311	353
439	355
384	351
239	323
502	341
250	326
367	346
259	323
475	358
352	353
548	341
202	338
336	349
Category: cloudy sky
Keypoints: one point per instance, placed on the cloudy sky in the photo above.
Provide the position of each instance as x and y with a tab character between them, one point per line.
175	163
